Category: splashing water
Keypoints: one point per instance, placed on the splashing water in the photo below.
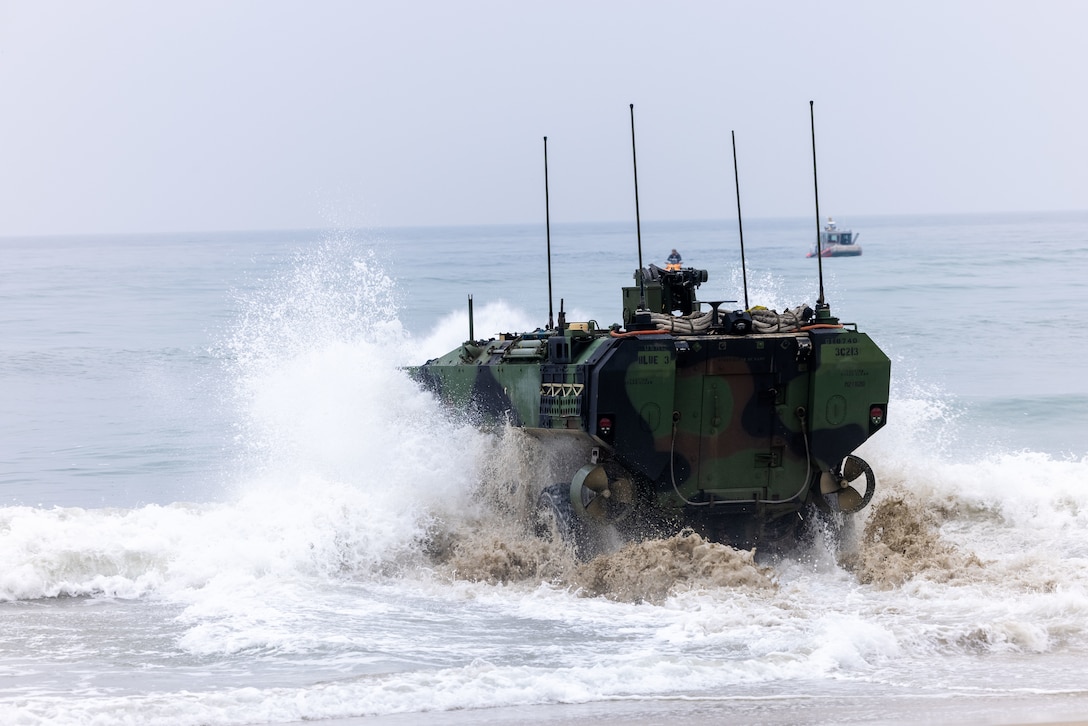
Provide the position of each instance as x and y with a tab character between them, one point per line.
377	555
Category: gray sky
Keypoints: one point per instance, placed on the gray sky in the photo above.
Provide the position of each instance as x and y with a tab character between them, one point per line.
185	115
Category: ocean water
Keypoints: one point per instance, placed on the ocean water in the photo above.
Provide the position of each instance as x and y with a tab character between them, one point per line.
222	501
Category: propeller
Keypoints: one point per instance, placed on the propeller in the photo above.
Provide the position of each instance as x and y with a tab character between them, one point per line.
850	499
597	496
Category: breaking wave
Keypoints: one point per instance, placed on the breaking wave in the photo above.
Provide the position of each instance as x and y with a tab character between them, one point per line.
346	468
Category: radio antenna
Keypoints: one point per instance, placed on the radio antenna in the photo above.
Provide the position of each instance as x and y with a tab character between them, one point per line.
638	223
548	232
820	303
740	225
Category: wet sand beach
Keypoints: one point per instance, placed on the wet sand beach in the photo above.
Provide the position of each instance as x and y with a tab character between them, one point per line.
1068	710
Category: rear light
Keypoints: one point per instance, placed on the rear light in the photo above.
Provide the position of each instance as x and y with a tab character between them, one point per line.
876	415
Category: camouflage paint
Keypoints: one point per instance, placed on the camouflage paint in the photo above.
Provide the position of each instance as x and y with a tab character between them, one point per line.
723	432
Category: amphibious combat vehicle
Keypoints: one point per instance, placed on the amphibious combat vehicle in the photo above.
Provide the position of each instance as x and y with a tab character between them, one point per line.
737	423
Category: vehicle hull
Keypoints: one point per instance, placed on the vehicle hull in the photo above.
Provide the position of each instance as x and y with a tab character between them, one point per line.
731	435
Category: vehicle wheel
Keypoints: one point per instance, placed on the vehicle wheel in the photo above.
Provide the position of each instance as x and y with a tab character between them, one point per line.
555	518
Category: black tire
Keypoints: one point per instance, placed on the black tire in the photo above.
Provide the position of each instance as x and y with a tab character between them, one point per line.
555	518
823	521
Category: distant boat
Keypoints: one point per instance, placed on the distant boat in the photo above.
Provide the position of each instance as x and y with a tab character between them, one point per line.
835	242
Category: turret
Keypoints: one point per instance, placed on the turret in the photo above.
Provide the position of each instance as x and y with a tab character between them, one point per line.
667	291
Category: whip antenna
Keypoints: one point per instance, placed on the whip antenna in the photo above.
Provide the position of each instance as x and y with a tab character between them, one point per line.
638	224
548	232
816	187
740	225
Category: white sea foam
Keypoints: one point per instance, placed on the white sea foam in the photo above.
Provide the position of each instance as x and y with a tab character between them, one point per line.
316	585
347	462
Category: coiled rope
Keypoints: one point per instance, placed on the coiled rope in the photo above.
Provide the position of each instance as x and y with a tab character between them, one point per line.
763	321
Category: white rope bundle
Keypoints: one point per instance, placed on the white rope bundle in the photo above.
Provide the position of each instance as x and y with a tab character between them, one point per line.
770	321
695	323
763	320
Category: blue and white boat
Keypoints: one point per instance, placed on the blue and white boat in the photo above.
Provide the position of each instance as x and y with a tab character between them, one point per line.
835	242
